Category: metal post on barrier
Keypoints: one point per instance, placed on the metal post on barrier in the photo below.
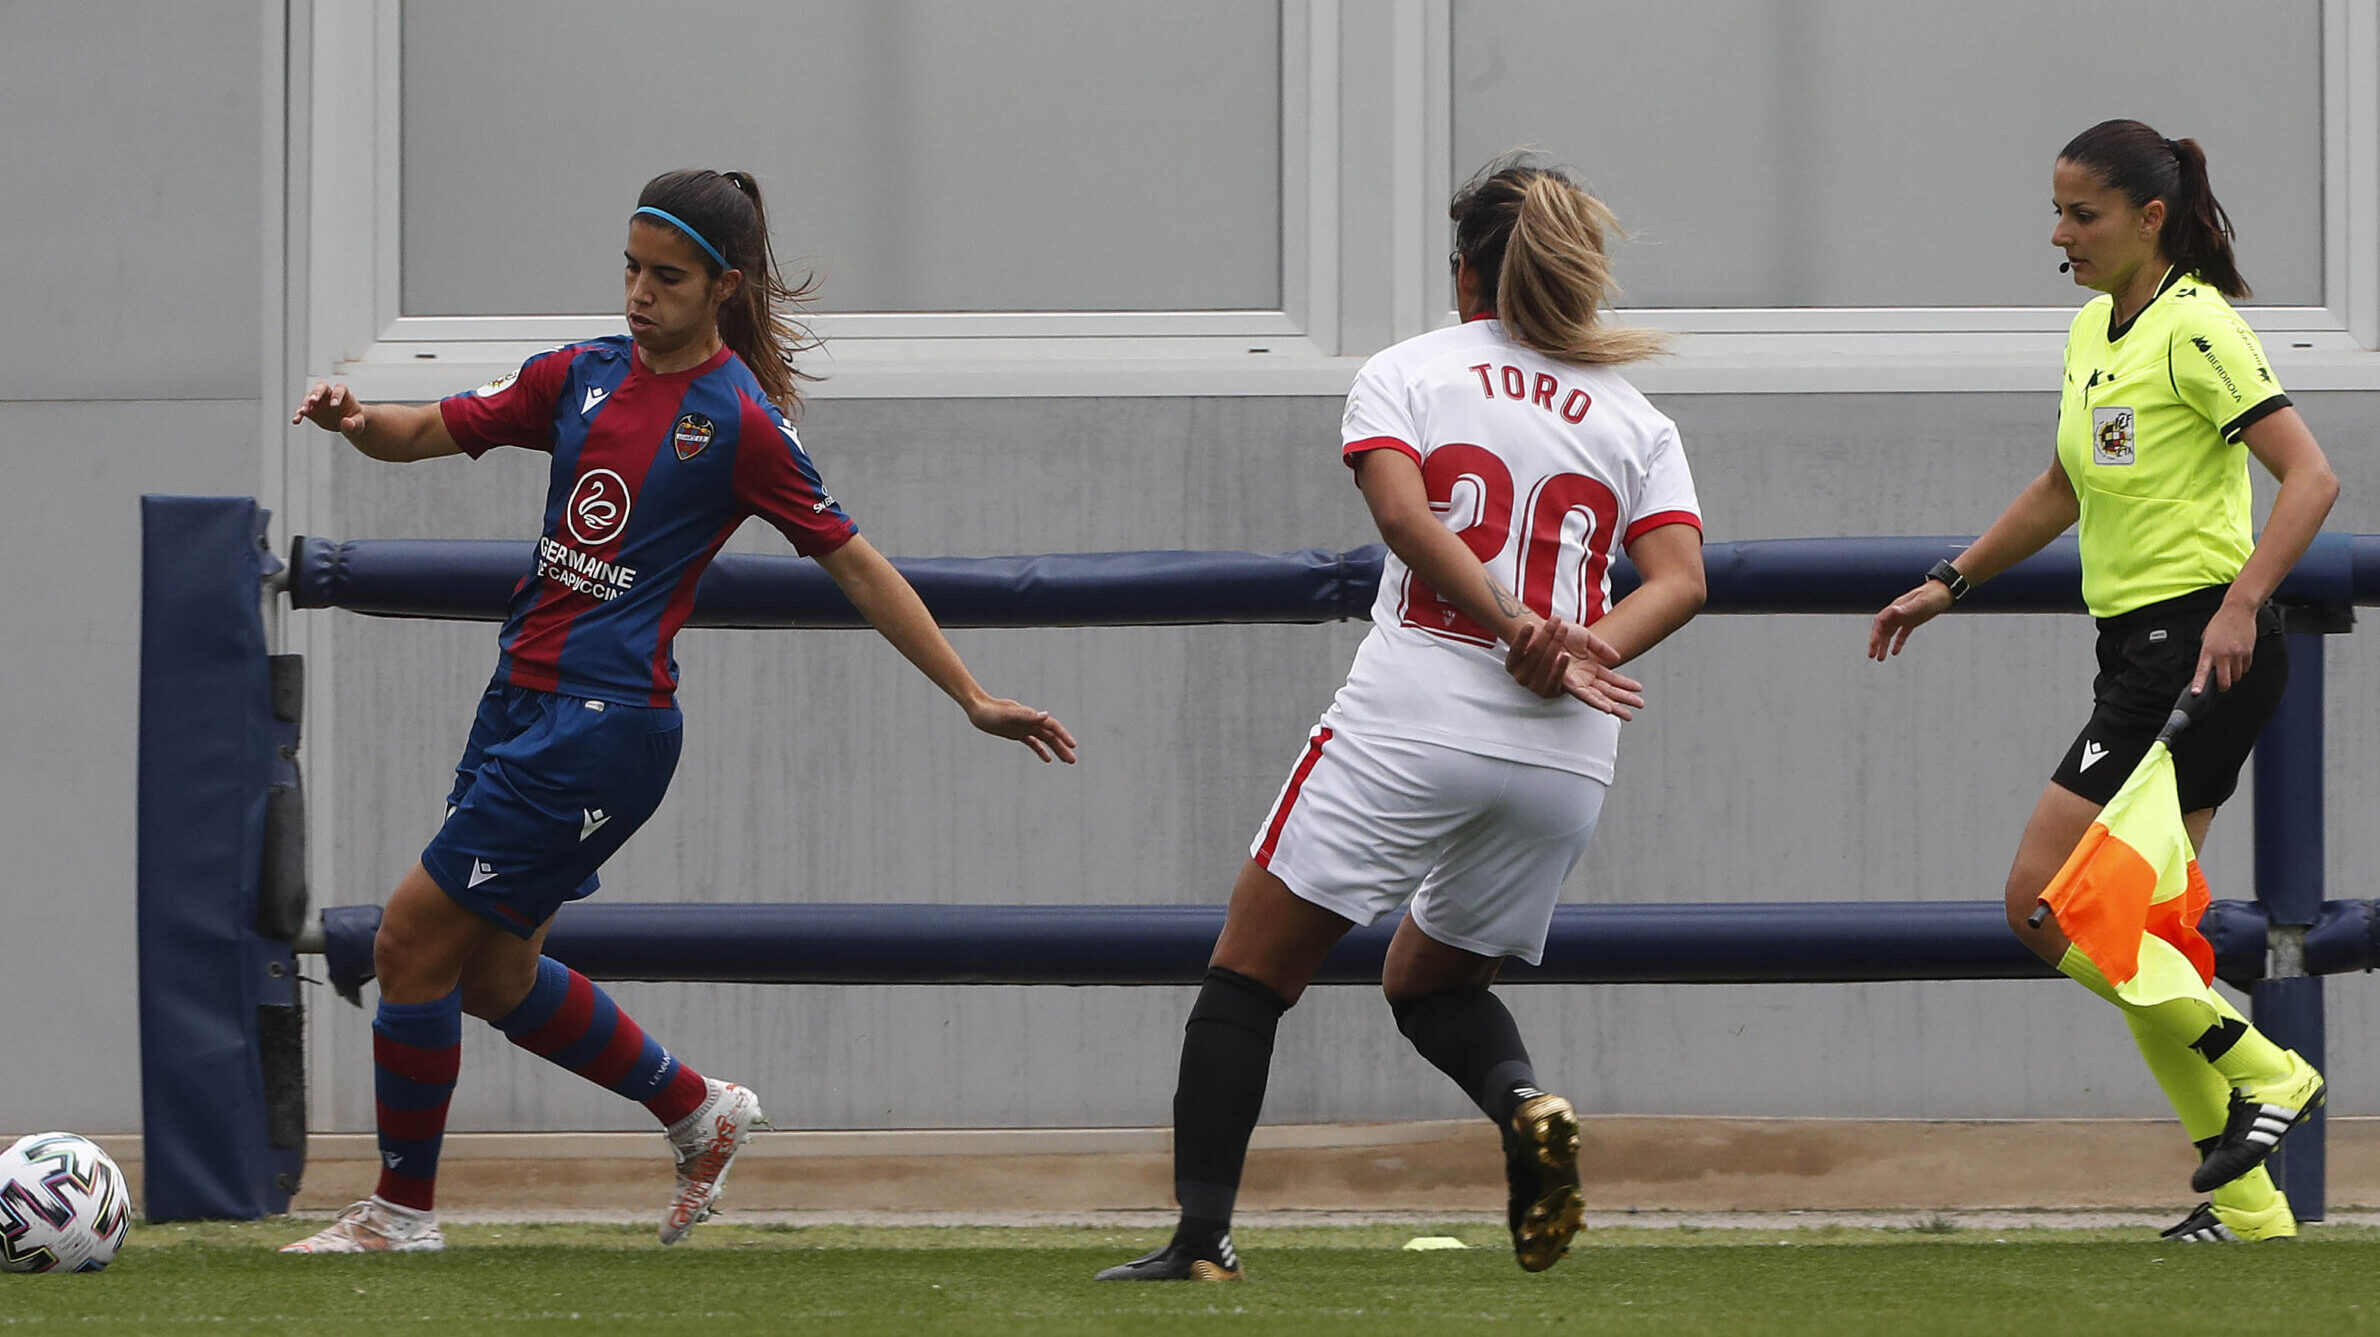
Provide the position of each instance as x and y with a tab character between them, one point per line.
2287	1002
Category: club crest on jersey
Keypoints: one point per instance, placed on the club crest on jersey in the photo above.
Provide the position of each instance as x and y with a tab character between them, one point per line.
598	507
2111	435
692	433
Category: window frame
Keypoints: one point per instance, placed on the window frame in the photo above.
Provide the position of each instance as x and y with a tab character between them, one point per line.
1366	103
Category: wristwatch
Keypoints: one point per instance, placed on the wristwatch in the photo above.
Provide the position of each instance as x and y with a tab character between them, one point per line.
1950	578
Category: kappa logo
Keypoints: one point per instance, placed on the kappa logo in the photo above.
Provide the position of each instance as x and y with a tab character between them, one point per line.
692	433
2111	436
598	508
2092	752
592	822
2206	350
480	872
595	394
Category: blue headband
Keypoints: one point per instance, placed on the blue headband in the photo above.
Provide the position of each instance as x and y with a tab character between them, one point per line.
681	225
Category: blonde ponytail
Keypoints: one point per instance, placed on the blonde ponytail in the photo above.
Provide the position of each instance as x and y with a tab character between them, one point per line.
1536	240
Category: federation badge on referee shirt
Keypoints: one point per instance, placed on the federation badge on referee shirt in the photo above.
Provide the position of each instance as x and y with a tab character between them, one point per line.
2111	435
692	433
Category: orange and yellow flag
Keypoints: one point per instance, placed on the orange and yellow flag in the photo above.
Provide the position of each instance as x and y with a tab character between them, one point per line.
2132	889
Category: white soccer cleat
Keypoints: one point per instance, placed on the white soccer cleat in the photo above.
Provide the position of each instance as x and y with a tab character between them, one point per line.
375	1226
705	1144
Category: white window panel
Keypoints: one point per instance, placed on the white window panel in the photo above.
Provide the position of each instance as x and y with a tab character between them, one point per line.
920	156
1879	154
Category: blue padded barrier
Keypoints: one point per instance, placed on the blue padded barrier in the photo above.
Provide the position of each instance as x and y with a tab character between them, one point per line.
472	580
215	1133
1695	943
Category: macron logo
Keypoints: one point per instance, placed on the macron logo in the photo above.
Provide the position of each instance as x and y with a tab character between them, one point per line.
480	872
592	822
595	394
2092	752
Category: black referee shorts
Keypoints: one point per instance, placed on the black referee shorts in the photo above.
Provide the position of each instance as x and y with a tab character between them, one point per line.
2146	658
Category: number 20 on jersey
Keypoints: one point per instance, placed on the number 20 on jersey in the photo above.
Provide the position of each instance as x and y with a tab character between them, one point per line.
1544	563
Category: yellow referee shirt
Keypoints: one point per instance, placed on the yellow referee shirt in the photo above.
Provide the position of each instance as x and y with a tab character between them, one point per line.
2149	433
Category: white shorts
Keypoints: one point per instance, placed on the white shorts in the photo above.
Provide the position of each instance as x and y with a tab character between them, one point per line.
1479	845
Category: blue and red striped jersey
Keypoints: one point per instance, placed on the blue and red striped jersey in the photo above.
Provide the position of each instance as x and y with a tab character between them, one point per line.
651	473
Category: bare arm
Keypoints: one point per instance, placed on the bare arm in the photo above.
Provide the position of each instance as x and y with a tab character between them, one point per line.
2045	509
2285	445
395	432
885	598
1668	564
1400	504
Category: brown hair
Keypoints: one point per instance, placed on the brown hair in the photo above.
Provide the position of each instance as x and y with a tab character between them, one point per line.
2144	165
725	208
1535	239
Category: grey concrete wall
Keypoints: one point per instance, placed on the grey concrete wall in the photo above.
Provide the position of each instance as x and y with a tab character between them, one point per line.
1774	764
129	363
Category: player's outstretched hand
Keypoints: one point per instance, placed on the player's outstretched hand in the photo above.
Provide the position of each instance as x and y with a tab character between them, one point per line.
1036	729
332	407
1890	631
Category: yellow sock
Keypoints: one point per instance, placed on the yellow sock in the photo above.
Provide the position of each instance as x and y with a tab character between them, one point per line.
2200	1098
2197	1017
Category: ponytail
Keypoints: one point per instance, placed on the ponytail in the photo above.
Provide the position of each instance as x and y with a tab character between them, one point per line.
2143	165
758	321
2197	233
1536	240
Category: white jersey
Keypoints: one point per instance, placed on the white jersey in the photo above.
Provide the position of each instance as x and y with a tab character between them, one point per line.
1545	468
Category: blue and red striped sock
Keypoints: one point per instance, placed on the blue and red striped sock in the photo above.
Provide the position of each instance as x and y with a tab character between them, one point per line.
567	1020
416	1049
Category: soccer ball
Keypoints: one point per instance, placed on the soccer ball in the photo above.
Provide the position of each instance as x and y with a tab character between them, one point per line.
64	1206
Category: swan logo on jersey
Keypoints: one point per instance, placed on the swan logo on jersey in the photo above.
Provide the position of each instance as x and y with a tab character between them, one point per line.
692	433
598	507
2111	436
496	386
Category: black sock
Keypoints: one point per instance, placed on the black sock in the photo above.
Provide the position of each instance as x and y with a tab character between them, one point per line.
1227	1052
1471	1038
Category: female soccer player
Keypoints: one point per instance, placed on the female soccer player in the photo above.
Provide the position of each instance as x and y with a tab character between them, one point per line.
1503	460
664	441
2167	394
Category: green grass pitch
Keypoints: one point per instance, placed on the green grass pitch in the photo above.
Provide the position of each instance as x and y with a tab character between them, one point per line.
730	1279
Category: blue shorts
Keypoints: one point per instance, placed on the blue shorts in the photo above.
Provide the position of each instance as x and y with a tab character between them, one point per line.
548	787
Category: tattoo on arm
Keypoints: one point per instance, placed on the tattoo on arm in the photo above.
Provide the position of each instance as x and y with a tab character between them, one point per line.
1505	603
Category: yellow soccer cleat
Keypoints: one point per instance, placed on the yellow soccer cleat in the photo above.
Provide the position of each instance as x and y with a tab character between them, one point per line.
2211	1223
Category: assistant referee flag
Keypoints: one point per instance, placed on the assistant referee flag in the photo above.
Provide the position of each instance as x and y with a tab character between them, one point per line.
2135	878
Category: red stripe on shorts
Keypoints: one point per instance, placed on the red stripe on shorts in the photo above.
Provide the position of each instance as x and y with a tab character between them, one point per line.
1297	781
